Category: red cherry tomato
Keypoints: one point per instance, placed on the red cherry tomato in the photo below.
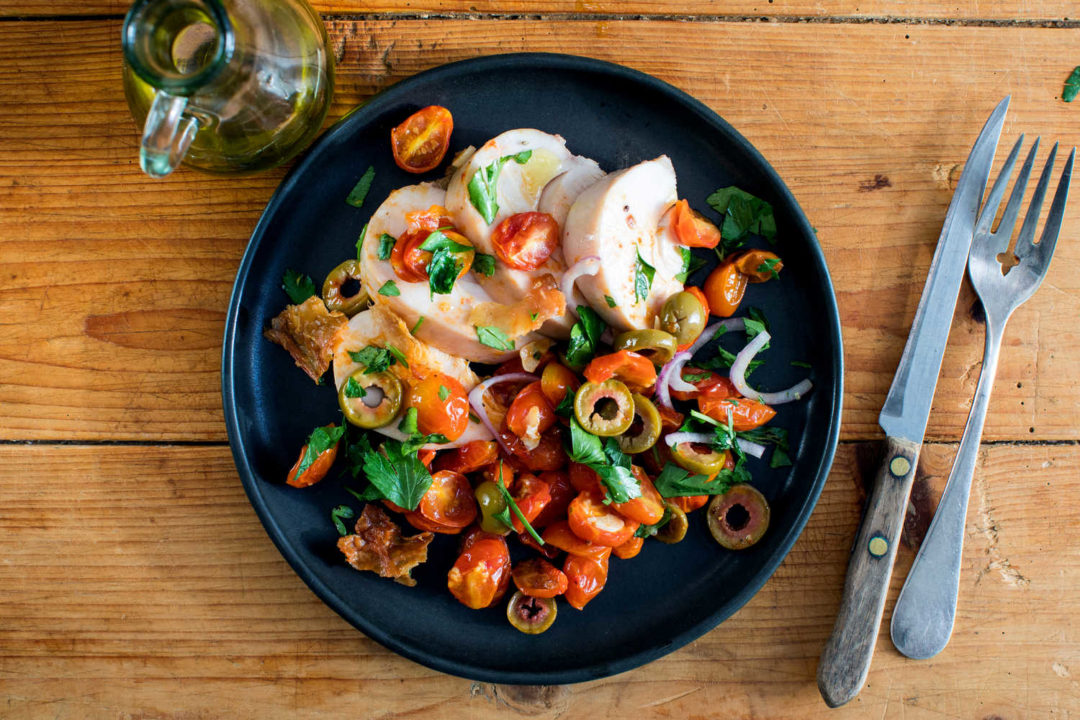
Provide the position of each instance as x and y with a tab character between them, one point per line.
584	479
670	420
548	455
539	578
442	406
482	571
525	241
704	384
530	494
317	470
646	509
419	144
556	381
586	577
470	457
746	414
692	229
561	491
629	549
593	521
449	501
636	370
724	289
530	414
559	535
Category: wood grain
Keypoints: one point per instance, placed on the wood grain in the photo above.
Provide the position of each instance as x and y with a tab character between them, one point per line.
113	286
136	582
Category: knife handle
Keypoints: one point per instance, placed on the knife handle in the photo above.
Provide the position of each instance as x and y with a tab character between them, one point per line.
845	661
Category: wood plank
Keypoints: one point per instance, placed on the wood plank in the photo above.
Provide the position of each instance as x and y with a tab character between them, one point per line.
971	10
114	286
137	582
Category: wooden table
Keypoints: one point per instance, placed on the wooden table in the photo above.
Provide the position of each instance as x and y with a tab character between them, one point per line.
135	580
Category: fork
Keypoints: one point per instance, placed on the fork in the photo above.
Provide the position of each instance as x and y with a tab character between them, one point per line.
923	618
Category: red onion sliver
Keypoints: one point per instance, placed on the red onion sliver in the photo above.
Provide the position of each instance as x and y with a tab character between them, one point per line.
476	399
676	438
675	381
710	332
738	376
589	265
750	448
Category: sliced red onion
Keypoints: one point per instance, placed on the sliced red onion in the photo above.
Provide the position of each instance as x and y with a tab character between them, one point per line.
589	265
670	376
752	449
709	333
476	399
677	438
738	376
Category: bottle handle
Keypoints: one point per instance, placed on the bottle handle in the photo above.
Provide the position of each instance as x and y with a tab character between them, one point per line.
167	135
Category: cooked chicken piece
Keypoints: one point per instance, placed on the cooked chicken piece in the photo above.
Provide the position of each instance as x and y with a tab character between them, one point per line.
378	546
616	219
539	305
559	194
308	331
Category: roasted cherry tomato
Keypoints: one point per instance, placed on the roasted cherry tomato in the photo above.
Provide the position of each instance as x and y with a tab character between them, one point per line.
548	455
531	414
549	551
696	292
482	571
561	491
425	457
724	289
746	414
559	535
442	406
420	143
670	420
633	369
525	241
584	479
704	381
530	494
586	577
629	549
556	381
646	509
468	458
317	470
539	578
449	501
758	265
692	229
593	521
410	261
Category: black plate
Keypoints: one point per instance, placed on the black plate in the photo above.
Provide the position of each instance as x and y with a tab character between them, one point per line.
668	595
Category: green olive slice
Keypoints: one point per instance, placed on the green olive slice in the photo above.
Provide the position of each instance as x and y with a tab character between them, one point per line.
644	430
739	517
698	458
531	615
683	317
656	345
491	502
675	529
605	409
370	401
345	277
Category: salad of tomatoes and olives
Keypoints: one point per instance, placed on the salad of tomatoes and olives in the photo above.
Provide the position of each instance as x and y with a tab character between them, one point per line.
517	356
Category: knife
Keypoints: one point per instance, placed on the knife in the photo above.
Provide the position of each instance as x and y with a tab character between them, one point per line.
845	661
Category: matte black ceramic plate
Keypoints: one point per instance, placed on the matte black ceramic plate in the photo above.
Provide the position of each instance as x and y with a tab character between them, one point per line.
668	595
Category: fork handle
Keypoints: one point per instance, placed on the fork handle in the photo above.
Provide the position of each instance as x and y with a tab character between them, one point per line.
923	618
845	661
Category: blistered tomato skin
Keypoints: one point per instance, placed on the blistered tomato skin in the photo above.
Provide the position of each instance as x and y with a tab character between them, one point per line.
586	576
530	494
724	289
525	241
629	549
531	414
746	414
647	509
449	501
539	578
561	491
442	406
593	521
482	571
468	458
559	535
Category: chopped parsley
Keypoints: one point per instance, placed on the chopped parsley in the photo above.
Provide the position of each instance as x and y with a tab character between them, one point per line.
354	389
398	473
386	246
584	337
482	190
647	531
743	214
484	264
360	190
445	265
444	392
565	408
1072	85
320	440
607	461
610	301
389	289
674	481
360	242
298	286
694	377
493	337
341	511
374	359
419	322
398	355
801	363
769	267
777	437
643	278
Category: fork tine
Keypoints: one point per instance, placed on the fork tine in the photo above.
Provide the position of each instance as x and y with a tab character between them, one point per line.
989	211
1025	241
1003	235
1057	212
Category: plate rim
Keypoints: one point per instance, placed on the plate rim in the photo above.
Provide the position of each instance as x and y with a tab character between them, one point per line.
249	480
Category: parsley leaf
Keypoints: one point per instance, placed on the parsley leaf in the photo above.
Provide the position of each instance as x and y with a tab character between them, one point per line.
694	377
354	389
398	355
444	266
370	493
398	474
801	363
744	213
360	241
585	448
610	463
1072	86
389	289
609	300
584	337
493	337
341	511
778	437
690	265
482	191
374	359
647	531
444	392
565	408
386	246
484	264
673	481
298	286
768	267
419	322
360	190
643	277
408	422
320	440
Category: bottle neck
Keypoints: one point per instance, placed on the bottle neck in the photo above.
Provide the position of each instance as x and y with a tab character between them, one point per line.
178	45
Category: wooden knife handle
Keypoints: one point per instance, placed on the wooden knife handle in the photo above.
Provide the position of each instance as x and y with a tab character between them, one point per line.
845	661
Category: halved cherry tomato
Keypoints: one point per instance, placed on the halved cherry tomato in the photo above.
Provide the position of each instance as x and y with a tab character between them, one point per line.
539	578
411	263
549	551
449	500
525	241
530	414
584	479
530	494
692	229
646	509
481	573
586	577
317	470
425	457
591	520
561	491
746	414
420	143
634	369
696	292
758	265
629	549
559	535
689	503
500	472
420	522
442	406
724	289
556	381
712	382
670	419
470	457
548	455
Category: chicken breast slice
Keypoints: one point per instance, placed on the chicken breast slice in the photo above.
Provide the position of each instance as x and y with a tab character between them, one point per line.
446	323
615	219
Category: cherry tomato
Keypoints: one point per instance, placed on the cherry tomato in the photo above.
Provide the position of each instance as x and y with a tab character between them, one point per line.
530	494
746	414
420	143
500	471
560	536
584	479
420	522
724	289
670	419
482	571
696	292
689	503
548	455
442	406
449	500
525	241
629	549
758	265
549	551
712	382
561	492
470	457
410	263
646	509
556	381
317	470
586	577
539	578
692	229
530	414
425	457
591	520
634	369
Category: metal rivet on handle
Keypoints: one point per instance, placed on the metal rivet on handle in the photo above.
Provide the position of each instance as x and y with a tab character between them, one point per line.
878	546
899	466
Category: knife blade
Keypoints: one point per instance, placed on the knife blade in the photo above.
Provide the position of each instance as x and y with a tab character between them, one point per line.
845	660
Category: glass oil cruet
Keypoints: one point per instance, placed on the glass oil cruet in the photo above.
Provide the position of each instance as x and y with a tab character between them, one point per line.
225	86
